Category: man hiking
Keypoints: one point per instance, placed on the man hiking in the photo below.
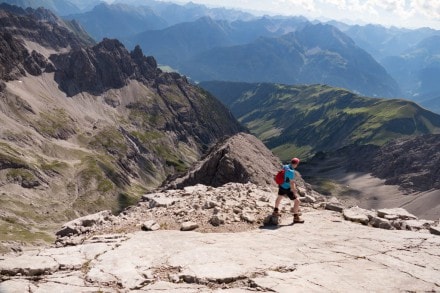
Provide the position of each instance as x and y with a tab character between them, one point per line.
288	189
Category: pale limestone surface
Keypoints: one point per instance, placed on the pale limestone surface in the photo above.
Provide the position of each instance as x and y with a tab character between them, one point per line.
325	254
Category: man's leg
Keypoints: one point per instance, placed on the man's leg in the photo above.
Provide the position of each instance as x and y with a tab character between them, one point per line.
276	210
296	218
296	203
278	201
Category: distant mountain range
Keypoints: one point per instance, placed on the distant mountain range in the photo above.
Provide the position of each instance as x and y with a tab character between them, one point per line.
176	44
307	119
381	41
276	50
411	57
208	43
314	54
175	13
417	70
118	21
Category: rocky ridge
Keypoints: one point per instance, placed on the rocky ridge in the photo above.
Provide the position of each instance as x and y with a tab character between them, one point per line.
242	158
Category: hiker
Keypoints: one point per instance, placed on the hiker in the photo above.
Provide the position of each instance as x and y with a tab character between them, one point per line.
288	189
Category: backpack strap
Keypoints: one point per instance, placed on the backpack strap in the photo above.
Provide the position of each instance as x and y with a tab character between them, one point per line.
286	168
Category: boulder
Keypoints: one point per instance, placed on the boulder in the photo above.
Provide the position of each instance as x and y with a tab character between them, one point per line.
398	213
382	223
150	225
334	205
158	200
271	220
435	229
28	265
84	224
189	226
356	214
217	220
248	217
415	225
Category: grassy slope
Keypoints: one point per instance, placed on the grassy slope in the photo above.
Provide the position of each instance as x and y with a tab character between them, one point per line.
302	120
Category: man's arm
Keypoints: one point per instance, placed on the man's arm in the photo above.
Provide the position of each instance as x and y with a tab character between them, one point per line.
294	189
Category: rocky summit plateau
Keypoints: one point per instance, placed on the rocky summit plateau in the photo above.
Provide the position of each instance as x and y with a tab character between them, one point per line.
330	252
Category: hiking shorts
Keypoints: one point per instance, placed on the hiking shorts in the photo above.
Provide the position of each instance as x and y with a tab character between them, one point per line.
286	192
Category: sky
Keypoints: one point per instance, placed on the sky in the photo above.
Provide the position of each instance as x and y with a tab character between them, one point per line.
399	13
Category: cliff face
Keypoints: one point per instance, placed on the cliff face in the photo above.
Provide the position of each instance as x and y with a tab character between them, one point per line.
16	60
21	29
43	27
86	128
104	66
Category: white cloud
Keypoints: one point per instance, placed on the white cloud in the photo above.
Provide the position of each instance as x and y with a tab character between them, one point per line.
338	3
429	8
304	4
388	12
413	13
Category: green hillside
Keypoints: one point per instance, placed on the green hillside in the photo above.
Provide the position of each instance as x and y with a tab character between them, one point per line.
302	120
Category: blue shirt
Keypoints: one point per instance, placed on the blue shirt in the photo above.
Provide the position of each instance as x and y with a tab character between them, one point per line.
288	176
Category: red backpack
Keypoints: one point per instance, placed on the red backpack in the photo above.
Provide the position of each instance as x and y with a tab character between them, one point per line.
279	177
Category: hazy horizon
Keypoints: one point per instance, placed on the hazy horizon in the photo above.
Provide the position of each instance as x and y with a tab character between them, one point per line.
399	13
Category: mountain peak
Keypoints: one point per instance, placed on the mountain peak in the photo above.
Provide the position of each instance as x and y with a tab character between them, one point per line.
325	35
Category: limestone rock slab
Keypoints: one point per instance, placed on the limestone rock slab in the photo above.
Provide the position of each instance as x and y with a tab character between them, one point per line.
322	255
29	265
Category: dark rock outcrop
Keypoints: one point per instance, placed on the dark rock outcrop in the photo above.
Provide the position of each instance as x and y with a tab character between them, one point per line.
15	59
36	64
12	56
109	65
104	66
241	158
39	26
411	163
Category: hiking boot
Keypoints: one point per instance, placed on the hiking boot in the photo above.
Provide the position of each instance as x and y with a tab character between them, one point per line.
297	219
293	212
276	212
